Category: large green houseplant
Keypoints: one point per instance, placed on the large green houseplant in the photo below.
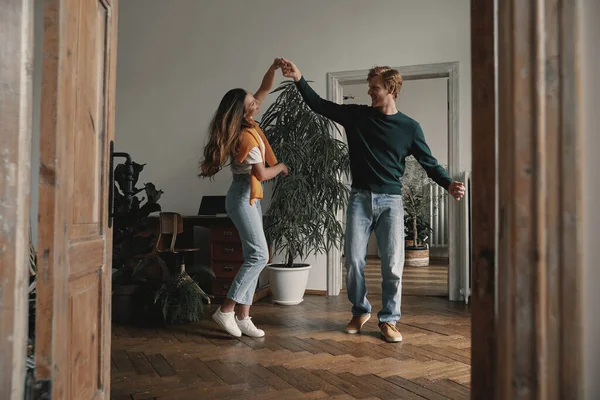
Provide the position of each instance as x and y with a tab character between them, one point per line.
302	219
418	202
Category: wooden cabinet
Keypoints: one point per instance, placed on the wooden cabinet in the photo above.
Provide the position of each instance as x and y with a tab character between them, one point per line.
223	253
221	248
226	258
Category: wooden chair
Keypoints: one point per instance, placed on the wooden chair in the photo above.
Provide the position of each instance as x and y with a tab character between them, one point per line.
171	225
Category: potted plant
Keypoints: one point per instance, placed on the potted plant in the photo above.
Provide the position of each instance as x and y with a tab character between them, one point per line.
302	218
417	201
134	260
180	298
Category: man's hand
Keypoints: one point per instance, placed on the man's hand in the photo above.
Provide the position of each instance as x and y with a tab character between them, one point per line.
457	190
289	70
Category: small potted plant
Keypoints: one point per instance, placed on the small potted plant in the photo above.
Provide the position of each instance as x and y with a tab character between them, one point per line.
417	201
302	218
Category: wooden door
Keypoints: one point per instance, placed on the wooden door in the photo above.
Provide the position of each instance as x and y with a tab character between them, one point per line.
77	126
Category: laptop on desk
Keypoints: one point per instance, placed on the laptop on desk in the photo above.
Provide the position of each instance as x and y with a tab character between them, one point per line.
212	205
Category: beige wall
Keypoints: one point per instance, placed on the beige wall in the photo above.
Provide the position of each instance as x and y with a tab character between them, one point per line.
591	195
177	58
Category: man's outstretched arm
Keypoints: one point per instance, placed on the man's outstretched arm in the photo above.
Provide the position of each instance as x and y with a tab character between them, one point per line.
434	170
336	112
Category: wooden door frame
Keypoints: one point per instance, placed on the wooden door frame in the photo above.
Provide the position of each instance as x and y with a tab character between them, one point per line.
16	95
335	84
526	320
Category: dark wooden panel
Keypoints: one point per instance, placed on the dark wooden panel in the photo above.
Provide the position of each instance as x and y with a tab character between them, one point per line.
224	233
483	194
220	287
226	270
227	252
539	313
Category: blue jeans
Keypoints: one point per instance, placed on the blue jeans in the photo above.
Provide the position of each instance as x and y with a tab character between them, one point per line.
248	221
383	213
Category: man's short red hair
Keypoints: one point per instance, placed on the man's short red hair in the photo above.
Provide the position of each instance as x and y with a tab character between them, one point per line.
392	80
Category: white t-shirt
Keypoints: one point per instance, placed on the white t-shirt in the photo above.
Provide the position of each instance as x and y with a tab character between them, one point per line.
254	157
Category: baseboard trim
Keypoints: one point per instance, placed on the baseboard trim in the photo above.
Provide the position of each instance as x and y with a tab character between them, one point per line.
316	292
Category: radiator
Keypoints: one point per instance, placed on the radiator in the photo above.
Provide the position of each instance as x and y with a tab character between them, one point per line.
438	219
464	238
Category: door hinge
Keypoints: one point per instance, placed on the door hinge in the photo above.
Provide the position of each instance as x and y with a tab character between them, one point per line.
42	390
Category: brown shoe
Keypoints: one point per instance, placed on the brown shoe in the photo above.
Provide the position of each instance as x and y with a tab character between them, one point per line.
356	323
390	332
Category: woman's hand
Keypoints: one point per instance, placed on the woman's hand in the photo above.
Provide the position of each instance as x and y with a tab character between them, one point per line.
277	63
267	173
284	169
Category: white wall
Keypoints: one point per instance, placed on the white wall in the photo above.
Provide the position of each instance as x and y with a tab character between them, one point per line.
591	195
176	60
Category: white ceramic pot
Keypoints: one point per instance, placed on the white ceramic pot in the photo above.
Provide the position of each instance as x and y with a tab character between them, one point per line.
288	284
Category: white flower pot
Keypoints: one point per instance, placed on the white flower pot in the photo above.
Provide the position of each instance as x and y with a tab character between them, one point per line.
288	284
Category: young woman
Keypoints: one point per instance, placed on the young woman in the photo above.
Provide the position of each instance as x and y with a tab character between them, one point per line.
233	135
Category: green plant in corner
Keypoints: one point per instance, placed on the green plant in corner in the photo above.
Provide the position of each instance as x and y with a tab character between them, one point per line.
181	299
303	215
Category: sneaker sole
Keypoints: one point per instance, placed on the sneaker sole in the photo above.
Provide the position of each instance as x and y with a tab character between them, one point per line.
254	336
355	331
225	329
391	340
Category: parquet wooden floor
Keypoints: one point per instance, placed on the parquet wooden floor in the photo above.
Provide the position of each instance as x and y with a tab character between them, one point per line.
305	355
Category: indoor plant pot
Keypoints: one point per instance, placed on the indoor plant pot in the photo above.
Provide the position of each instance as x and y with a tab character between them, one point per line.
416	256
123	302
288	284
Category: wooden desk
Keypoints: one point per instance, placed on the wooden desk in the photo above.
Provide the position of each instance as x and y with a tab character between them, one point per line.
225	256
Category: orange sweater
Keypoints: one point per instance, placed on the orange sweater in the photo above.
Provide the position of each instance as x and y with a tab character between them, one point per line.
249	139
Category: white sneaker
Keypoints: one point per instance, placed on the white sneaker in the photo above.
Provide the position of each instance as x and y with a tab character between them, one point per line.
227	322
248	328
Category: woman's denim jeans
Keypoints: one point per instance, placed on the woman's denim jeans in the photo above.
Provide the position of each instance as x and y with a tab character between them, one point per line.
248	221
384	214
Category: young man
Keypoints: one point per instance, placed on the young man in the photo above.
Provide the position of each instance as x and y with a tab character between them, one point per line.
379	140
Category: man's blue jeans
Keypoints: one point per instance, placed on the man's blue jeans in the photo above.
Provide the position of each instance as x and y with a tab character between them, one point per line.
383	213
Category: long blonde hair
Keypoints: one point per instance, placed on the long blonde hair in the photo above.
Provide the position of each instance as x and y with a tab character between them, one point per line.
224	133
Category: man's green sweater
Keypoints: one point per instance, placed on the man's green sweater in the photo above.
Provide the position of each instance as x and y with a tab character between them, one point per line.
378	143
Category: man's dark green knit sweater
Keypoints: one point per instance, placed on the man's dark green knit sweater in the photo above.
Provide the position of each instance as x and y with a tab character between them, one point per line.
378	143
